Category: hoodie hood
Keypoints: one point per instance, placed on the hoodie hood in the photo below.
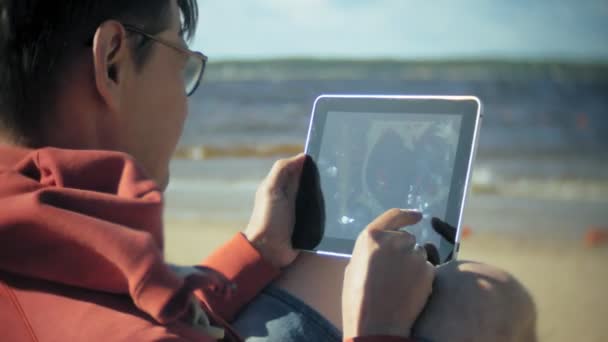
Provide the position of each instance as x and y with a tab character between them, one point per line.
89	219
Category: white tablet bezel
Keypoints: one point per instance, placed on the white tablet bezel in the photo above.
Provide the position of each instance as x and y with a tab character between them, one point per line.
471	154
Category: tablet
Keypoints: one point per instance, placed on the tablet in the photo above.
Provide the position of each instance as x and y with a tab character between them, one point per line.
368	154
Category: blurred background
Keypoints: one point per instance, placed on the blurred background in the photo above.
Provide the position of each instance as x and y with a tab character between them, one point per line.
539	202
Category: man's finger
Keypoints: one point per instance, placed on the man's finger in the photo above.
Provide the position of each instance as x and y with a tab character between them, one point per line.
395	219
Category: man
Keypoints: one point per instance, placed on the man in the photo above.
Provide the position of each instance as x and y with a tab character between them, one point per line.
92	103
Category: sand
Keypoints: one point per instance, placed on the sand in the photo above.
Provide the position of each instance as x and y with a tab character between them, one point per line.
568	280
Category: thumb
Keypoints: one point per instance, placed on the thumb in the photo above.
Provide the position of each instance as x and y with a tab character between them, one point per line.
285	174
295	173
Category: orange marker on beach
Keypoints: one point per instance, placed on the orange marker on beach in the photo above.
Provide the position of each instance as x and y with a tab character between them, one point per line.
582	121
596	236
467	231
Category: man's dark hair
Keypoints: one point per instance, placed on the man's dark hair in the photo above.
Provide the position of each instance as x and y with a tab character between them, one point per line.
39	38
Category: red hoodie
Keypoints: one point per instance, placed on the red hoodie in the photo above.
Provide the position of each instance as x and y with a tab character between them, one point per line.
81	255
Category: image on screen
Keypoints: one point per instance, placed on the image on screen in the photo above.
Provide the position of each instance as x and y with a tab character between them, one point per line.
371	162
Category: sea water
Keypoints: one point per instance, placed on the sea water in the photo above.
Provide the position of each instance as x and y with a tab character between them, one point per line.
544	135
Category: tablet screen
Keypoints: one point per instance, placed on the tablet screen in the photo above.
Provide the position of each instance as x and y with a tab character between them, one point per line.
371	162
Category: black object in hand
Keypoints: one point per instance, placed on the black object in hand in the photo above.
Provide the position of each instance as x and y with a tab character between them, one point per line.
310	209
432	254
447	232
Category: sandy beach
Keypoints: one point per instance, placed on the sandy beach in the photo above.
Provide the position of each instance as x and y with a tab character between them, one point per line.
567	279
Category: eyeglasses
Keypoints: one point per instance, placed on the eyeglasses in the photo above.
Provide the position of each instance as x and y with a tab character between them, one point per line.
195	66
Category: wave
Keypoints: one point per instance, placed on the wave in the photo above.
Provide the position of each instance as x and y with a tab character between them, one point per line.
561	177
338	69
556	188
206	152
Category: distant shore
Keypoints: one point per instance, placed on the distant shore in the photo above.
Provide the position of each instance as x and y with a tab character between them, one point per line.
223	190
408	69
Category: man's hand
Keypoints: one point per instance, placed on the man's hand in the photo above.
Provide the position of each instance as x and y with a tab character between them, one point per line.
388	280
271	224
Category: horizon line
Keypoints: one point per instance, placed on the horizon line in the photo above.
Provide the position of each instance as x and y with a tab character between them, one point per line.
430	59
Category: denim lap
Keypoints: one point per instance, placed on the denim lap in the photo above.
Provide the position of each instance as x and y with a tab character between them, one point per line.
277	316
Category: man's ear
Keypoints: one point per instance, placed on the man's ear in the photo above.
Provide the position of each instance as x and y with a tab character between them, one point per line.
110	60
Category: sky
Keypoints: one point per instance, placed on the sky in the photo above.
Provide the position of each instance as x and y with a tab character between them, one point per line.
404	29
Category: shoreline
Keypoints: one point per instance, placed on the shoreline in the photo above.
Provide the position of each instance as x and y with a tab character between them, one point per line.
515	214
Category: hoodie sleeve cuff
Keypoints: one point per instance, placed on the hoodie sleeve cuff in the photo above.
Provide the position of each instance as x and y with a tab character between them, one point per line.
242	264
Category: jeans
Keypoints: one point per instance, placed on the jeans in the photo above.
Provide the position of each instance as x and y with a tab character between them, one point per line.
277	316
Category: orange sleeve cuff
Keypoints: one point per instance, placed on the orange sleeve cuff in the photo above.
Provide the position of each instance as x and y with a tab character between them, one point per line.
242	264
